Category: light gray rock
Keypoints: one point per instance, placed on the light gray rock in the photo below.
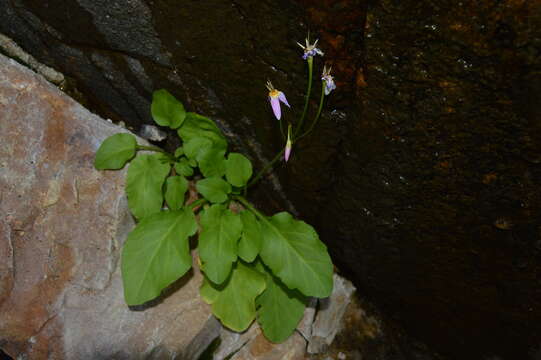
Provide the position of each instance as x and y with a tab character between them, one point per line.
152	133
61	230
329	316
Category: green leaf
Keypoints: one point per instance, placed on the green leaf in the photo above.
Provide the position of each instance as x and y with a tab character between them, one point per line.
156	253
294	253
209	155
279	309
212	163
196	147
166	109
220	230
115	152
213	189
251	238
192	163
238	169
182	167
179	152
197	126
146	176
233	302
176	187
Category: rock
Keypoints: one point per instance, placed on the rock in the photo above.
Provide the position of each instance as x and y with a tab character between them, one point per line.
152	133
231	341
328	320
260	348
61	232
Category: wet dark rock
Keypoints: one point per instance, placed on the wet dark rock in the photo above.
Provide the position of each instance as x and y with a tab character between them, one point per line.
424	174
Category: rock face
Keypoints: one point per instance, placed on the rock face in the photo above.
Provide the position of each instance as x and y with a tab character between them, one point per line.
62	227
424	179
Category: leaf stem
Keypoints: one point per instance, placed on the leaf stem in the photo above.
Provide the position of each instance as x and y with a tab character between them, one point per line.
306	100
196	203
314	122
265	168
151	148
249	206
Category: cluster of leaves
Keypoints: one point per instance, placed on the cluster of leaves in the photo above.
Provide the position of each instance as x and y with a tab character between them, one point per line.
253	265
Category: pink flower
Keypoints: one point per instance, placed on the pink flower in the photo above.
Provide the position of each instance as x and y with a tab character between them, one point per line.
275	97
287	151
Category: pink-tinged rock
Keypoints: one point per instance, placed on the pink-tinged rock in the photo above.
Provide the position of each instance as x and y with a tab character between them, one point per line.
259	348
62	225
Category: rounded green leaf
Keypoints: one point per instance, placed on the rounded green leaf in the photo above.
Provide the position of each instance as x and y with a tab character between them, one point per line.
212	163
234	302
198	126
166	109
251	238
146	176
196	147
238	169
294	253
176	187
279	309
115	152
214	189
220	231
156	253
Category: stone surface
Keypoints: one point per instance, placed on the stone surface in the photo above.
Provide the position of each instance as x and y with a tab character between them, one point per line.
328	320
259	348
62	227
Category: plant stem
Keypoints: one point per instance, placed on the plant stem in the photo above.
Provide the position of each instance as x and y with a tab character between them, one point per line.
151	148
196	203
282	129
314	122
249	206
307	99
267	167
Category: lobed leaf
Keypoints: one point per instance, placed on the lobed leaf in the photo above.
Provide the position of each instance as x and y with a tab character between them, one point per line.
213	189
279	309
293	251
234	301
251	239
166	109
156	254
238	169
176	187
115	152
146	176
183	167
220	231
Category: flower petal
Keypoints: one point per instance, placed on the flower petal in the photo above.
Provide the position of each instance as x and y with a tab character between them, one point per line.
287	152
283	99
275	104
